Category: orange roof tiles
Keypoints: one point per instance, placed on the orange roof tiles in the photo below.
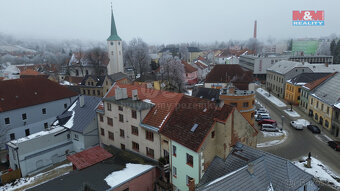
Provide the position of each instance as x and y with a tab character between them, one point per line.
30	72
315	83
164	101
188	68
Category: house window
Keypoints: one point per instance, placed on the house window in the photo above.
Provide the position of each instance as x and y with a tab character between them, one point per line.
120	108
109	121
135	146
12	136
45	125
233	104
321	107
88	83
327	110
24	117
190	160
102	132
149	152
87	72
93	92
121	118
27	132
122	146
326	123
43	110
77	73
98	92
134	130
188	180
108	106
134	114
311	101
121	133
76	137
88	92
101	118
7	121
174	150
111	136
317	104
174	171
84	92
213	134
299	90
245	104
65	105
149	135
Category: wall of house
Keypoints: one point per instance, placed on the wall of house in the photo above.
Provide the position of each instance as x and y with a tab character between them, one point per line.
41	152
191	78
35	119
194	55
183	169
336	122
215	85
91	91
85	70
91	135
126	126
248	111
292	93
309	186
321	112
304	100
145	181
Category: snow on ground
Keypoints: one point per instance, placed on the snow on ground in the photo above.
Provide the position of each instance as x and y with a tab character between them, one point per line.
148	101
25	181
271	98
292	113
274	142
131	170
320	171
273	134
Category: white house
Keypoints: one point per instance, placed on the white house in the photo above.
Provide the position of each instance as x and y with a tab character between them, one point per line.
75	130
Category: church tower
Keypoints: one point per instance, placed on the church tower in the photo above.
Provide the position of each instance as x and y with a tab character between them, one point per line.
114	44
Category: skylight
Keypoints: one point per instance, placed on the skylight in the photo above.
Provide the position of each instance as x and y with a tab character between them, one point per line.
194	127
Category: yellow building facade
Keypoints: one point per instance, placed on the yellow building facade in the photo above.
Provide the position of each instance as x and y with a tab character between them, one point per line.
292	93
321	112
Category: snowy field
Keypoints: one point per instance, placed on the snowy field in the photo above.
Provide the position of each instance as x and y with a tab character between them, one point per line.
274	142
271	98
320	171
292	113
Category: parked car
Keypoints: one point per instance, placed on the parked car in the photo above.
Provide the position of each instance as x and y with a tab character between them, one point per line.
335	145
263	116
261	110
267	121
296	125
269	128
314	129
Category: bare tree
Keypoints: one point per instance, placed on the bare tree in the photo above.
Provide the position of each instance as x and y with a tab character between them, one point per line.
136	55
291	103
269	89
183	52
172	70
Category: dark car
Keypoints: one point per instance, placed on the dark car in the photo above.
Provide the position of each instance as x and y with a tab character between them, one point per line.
335	145
314	129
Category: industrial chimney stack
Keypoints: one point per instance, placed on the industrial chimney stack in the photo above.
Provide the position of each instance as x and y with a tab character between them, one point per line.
255	29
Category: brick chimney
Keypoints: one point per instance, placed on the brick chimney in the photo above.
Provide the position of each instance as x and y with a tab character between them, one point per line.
192	184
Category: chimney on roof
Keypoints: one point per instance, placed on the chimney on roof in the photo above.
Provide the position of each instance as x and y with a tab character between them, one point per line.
81	101
251	168
135	95
326	64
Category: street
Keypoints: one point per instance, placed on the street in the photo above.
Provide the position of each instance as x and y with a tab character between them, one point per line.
300	143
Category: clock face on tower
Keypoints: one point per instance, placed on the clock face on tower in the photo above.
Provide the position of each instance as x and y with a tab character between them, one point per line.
111	43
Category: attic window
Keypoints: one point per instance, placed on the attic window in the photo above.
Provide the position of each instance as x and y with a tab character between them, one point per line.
194	127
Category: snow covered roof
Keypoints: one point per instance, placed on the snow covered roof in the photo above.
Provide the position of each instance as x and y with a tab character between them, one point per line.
266	171
329	91
78	118
284	66
131	171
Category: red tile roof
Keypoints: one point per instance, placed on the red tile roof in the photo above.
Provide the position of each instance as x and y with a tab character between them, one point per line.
164	101
225	73
89	157
190	111
315	83
30	72
188	68
26	92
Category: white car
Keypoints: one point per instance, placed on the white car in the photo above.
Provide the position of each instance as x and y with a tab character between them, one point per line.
269	128
296	125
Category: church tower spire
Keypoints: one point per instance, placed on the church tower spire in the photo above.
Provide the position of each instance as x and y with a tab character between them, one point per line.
114	44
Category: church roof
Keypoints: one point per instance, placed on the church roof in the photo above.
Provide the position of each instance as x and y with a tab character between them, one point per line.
114	35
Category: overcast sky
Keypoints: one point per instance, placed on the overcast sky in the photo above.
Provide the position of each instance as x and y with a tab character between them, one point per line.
163	21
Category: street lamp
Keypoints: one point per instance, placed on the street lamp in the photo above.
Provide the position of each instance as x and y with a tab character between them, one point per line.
282	118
